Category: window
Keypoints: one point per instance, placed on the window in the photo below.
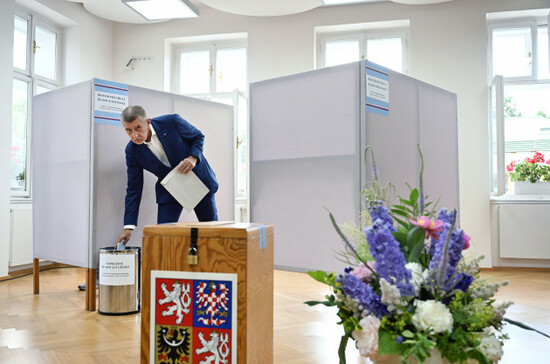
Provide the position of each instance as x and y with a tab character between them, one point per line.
520	111
217	71
211	71
35	70
387	48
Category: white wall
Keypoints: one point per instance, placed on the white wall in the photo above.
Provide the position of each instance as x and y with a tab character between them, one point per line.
87	52
447	49
6	62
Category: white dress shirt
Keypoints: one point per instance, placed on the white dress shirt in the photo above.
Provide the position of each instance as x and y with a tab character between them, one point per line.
158	150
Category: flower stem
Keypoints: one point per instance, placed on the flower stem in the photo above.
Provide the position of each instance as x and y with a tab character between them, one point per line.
342	349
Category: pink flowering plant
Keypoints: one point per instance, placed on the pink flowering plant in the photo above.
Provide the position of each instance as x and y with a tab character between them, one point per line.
417	294
530	169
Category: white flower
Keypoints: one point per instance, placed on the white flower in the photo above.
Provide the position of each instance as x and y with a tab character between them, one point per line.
490	347
391	296
417	276
366	339
432	314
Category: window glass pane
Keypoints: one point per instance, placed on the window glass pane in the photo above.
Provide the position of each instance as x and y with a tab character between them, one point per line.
19	135
526	121
493	134
387	52
340	52
46	53
543	52
194	72
41	90
20	43
512	52
230	69
242	147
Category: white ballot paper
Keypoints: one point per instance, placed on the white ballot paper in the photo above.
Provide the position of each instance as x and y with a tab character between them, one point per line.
187	189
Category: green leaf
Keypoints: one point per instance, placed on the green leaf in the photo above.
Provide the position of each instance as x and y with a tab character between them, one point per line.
407	334
400	236
319	276
414	196
387	344
326	303
399	212
407	202
401	222
415	243
523	326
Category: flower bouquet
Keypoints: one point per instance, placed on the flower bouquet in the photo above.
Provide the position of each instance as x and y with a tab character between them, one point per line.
417	298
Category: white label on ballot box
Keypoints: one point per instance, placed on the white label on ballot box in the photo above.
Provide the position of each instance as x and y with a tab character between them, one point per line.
117	269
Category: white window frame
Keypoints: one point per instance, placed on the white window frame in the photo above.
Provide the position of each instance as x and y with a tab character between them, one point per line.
212	47
531	22
363	36
497	84
27	75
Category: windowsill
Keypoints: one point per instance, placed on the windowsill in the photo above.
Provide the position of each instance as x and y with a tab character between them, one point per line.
20	200
509	198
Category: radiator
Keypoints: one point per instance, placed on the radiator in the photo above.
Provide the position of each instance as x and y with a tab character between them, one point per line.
21	246
524	231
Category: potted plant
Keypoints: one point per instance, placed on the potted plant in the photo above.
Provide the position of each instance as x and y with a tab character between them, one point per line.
531	176
21	178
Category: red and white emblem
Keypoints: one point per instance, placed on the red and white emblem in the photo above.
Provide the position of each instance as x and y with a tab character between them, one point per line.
193	318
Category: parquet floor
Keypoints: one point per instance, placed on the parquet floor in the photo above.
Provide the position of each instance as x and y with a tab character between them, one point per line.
53	327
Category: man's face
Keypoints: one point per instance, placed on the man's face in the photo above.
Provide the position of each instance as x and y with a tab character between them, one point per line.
137	130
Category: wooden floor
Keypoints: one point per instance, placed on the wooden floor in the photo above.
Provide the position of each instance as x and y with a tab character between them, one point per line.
53	327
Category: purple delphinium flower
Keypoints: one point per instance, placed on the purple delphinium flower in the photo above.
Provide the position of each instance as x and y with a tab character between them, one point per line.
454	254
399	339
353	287
463	281
447	218
348	269
380	216
390	261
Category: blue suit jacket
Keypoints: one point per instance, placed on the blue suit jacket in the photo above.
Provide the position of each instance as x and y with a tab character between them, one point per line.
179	140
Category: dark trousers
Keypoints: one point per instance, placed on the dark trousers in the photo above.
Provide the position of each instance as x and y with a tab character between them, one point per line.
205	210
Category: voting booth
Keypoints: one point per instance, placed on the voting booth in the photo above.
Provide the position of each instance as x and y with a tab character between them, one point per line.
79	168
217	307
308	134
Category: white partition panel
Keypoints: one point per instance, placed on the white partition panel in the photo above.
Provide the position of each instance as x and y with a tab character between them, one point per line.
77	162
438	135
394	137
216	123
304	157
424	115
61	139
308	134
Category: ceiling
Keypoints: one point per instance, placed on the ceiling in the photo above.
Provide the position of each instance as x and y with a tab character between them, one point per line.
115	10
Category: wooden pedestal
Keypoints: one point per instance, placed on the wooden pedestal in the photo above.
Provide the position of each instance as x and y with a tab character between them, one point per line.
222	248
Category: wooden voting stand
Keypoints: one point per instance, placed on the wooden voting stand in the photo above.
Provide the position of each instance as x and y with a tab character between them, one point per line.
222	248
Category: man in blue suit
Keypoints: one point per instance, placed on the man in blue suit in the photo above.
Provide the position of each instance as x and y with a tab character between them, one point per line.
159	145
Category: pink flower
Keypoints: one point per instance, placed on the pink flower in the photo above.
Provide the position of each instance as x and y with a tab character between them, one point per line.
510	167
466	241
432	228
362	272
538	157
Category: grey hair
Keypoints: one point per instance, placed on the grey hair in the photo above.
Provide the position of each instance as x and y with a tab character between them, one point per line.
132	112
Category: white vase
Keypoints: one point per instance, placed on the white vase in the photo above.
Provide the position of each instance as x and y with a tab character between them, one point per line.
435	358
529	188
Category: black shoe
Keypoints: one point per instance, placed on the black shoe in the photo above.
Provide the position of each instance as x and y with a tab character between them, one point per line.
82	287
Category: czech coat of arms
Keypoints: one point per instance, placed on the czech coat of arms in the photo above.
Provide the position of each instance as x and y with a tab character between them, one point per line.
193	318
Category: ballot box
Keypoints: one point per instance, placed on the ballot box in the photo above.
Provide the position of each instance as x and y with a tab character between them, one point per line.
207	293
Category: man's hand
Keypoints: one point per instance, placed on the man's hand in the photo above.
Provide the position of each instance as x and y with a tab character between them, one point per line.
187	165
124	237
